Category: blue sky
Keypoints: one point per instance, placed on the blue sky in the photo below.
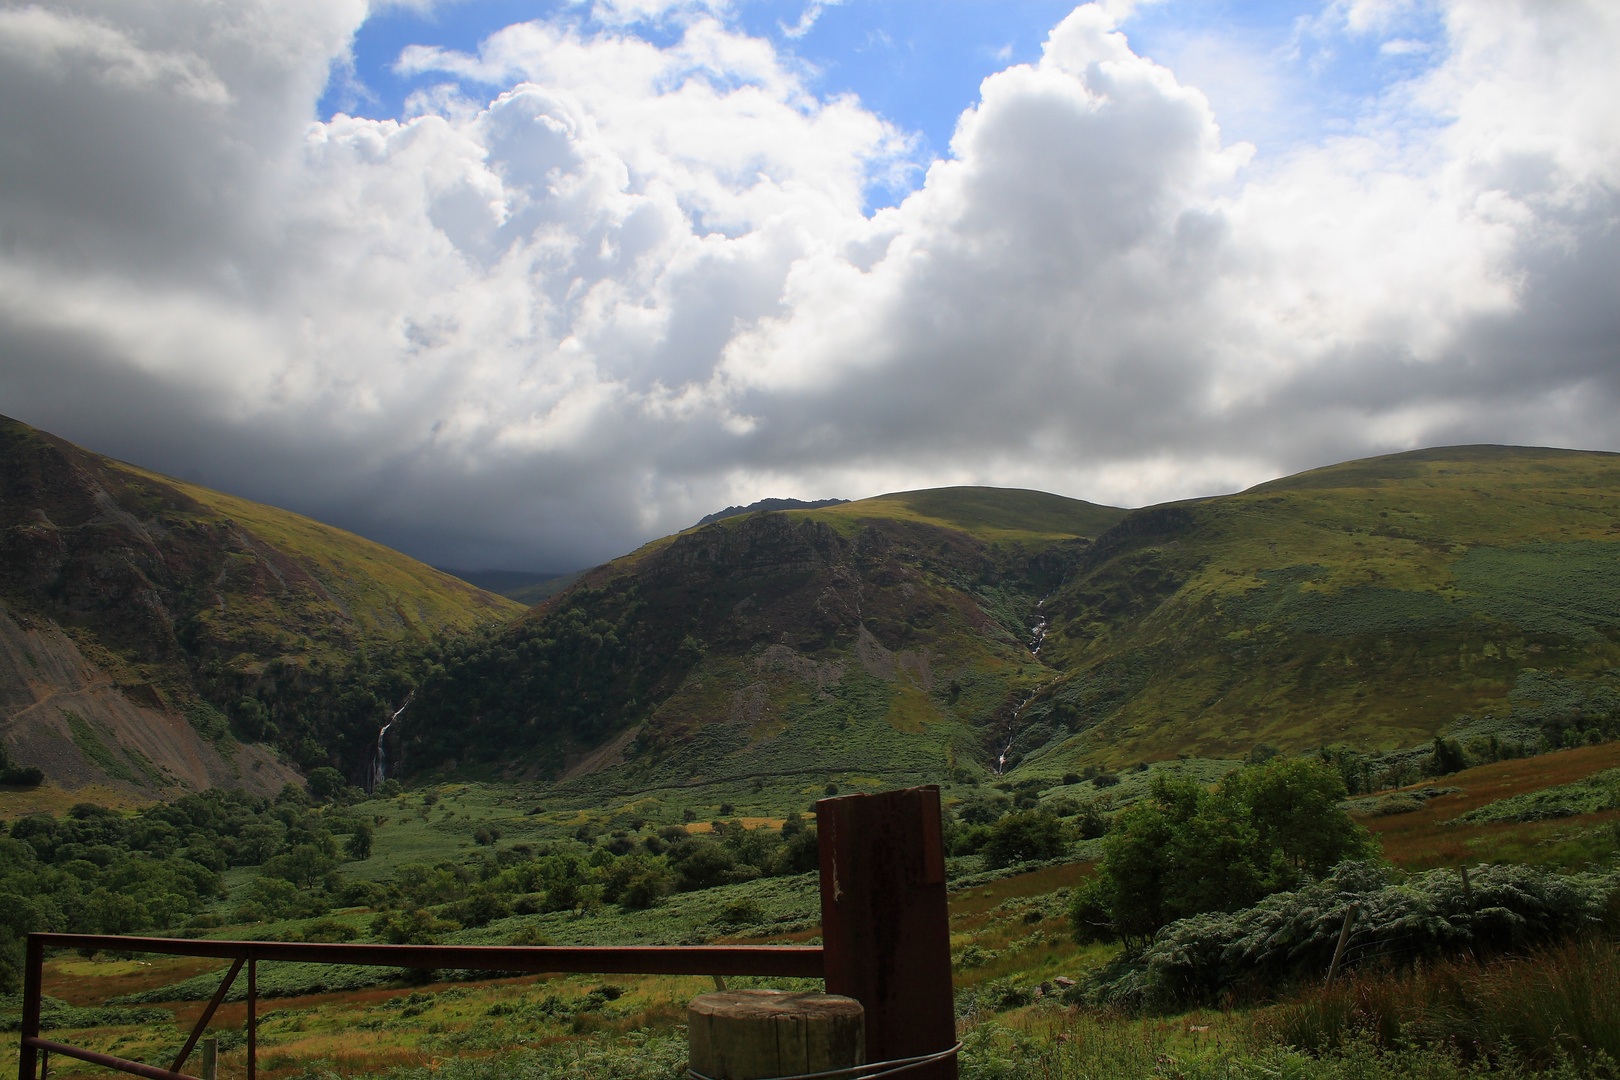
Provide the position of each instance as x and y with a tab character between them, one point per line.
1279	73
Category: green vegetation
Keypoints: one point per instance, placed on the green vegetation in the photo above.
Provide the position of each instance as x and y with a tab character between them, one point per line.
18	775
1197	959
1588	796
885	636
997	514
1187	850
96	871
1367	606
198	601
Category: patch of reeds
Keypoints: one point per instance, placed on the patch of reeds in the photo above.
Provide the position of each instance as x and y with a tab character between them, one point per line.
1558	1004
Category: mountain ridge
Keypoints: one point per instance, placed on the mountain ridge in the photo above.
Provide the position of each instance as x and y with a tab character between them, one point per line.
169	607
1327	608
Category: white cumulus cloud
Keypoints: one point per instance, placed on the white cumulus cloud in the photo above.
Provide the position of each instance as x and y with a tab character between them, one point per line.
593	286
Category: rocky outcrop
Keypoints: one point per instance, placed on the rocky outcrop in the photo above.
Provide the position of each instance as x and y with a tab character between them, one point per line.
62	712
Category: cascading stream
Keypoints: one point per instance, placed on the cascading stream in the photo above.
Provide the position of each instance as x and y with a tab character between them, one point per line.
379	769
1037	638
1038	631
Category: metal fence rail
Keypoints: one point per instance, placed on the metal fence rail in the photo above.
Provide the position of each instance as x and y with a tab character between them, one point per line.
882	911
797	961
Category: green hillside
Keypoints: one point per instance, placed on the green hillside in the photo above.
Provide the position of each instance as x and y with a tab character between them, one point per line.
990	514
200	604
1471	591
1371	604
885	638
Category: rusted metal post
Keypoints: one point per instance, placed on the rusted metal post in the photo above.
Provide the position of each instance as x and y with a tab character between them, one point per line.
33	980
253	1019
884	923
207	1015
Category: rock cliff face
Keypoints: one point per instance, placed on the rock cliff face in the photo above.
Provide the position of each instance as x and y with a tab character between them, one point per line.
70	717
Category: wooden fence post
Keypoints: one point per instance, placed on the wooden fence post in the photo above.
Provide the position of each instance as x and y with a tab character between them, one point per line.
33	982
252	1018
884	923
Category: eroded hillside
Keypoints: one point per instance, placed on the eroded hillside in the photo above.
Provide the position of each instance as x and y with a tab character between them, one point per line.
137	610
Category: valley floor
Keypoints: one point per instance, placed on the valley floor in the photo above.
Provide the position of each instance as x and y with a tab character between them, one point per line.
1010	942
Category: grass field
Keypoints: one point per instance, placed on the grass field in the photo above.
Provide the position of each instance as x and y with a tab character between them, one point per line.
1428	837
1009	934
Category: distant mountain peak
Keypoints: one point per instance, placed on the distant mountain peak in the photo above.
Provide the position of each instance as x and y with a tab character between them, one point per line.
770	504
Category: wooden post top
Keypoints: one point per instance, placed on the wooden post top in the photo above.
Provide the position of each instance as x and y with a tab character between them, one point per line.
758	1034
771	1004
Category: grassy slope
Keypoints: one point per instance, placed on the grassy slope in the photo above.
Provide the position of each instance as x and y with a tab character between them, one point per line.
385	593
1432	836
874	643
235	580
992	514
1368	604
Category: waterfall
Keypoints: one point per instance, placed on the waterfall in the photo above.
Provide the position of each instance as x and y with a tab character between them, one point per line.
1038	631
379	768
1036	640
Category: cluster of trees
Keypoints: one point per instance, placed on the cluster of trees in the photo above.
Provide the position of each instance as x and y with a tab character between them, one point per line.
320	715
1186	849
419	902
97	871
1010	828
589	667
18	775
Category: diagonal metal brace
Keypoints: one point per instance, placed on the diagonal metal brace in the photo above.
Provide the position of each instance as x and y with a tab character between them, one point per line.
207	1014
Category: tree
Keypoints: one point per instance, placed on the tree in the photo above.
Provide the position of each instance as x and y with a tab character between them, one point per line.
1023	837
358	846
1185	849
1129	884
1294	806
325	783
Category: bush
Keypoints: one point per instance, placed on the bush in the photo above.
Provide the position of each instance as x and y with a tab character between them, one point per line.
1186	850
358	846
801	854
699	864
328	930
326	783
1557	1005
1090	823
412	927
1293	934
743	912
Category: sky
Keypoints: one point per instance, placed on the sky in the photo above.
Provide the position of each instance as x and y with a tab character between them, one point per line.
524	284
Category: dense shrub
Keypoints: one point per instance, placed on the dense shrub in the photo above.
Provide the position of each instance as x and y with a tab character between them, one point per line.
1186	849
1559	1004
1294	934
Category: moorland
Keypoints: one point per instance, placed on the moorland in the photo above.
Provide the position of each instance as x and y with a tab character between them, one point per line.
1420	649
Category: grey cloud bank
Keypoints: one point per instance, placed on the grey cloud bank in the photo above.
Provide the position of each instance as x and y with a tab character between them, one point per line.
621	286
